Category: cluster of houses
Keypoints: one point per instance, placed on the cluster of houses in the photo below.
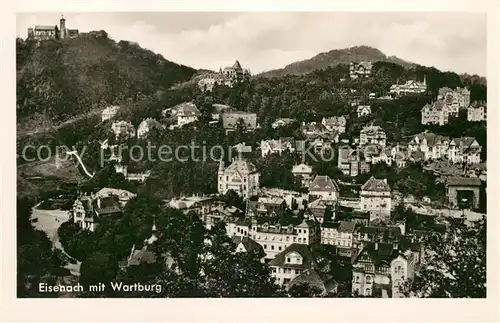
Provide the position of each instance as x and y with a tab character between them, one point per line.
449	103
228	76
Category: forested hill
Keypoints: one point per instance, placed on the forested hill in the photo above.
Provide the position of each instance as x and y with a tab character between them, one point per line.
65	78
336	57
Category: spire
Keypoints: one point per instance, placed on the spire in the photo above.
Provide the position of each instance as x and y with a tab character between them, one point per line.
425	80
221	165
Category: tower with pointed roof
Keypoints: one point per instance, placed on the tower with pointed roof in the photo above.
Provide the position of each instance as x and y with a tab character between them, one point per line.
62	27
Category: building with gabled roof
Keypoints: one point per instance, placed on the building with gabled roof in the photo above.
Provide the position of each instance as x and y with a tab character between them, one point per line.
304	173
435	113
323	187
337	124
433	146
317	279
381	268
247	244
372	135
281	122
363	110
409	87
476	112
240	176
376	198
293	261
464	150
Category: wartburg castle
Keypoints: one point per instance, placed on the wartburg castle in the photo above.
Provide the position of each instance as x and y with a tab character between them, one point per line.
47	32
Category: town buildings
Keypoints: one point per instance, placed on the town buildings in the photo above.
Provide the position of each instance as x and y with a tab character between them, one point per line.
304	173
240	176
454	99
351	161
277	146
89	209
476	112
376	198
463	192
361	69
464	150
336	124
372	135
363	110
435	113
432	146
109	112
49	32
410	87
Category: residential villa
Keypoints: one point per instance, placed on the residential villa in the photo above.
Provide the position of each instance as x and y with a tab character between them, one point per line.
380	269
337	124
476	112
281	122
230	120
295	260
323	187
361	69
186	113
317	209
464	150
435	113
109	112
240	176
459	95
278	146
304	173
363	110
431	145
372	135
123	129
247	244
88	209
351	161
410	87
146	126
376	198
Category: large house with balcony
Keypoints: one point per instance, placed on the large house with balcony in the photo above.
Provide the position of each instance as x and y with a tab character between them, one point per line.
240	176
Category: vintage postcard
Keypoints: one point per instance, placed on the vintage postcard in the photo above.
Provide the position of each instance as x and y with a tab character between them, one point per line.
327	155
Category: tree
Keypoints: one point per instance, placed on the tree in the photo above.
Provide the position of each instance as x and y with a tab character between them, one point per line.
454	265
304	290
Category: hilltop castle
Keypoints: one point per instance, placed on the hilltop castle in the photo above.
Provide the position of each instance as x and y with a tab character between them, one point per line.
227	76
46	32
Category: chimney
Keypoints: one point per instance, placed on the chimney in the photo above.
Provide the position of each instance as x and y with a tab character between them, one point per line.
376	246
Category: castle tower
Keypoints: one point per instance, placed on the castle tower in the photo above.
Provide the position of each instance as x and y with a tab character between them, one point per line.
62	27
425	80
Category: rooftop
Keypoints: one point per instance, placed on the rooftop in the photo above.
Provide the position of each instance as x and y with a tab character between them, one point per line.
323	183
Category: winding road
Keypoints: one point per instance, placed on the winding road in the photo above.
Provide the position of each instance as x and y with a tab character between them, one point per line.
74	153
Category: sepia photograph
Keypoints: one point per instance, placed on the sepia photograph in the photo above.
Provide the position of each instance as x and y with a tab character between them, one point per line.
251	154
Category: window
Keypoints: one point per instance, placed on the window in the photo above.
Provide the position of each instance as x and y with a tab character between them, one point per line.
286	280
265	246
274	270
357	279
288	260
297	271
368	292
368	279
279	248
272	247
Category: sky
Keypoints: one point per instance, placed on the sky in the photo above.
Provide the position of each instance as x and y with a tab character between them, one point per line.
261	41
